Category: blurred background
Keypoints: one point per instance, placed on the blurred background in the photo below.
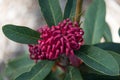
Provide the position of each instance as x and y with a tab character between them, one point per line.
27	13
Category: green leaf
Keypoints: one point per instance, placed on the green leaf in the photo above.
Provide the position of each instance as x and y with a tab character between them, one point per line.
58	74
99	77
109	46
18	66
38	72
51	76
70	9
99	60
116	56
73	74
107	34
86	69
51	11
94	22
21	34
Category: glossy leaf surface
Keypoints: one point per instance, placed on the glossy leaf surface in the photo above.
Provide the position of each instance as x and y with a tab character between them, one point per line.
70	9
109	46
94	22
99	59
51	11
38	72
21	34
73	74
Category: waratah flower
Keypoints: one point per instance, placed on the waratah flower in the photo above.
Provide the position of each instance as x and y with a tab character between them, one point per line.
64	38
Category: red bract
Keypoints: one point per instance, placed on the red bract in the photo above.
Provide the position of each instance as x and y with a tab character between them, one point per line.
57	40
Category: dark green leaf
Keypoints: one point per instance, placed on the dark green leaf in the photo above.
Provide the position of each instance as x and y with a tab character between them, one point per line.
86	69
23	61
21	34
70	9
38	72
51	76
18	66
94	22
116	56
107	34
99	60
73	74
58	74
51	11
109	46
99	77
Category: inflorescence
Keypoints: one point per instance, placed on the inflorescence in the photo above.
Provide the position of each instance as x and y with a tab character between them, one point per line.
54	41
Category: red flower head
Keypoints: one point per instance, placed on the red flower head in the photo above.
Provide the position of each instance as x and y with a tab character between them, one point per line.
57	40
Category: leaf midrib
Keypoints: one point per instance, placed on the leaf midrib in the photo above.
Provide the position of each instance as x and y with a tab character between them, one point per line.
21	34
52	11
95	24
39	71
23	67
70	9
96	62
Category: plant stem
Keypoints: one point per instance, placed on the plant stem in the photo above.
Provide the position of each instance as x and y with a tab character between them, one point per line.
78	10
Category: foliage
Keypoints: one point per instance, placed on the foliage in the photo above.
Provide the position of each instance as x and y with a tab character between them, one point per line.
38	72
102	58
51	11
18	66
21	34
73	74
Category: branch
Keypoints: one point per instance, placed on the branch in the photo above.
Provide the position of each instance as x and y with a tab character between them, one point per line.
78	10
